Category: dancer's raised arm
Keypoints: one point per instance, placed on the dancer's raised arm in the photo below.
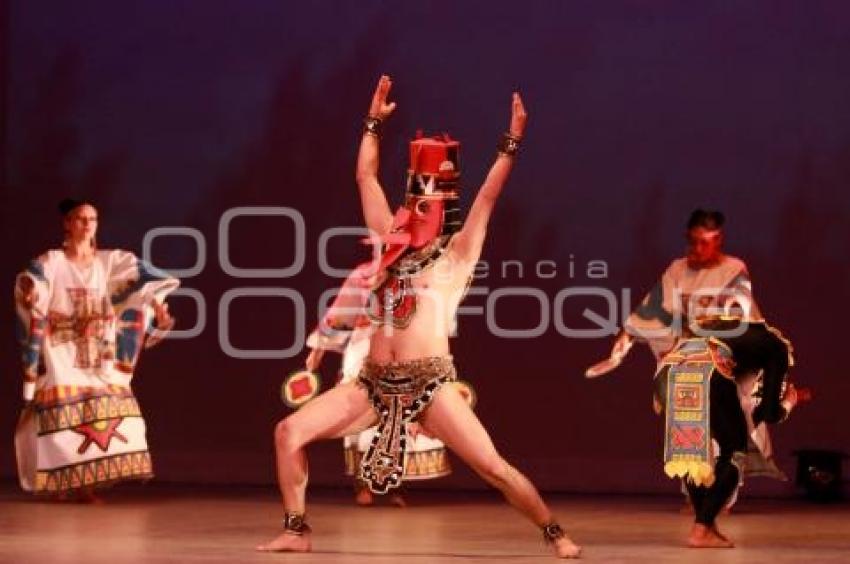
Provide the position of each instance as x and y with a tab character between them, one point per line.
376	209
469	241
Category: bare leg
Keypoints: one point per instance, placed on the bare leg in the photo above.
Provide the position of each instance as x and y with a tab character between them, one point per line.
450	419
342	410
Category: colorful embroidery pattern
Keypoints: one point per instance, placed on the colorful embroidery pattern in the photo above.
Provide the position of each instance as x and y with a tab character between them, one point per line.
131	465
60	395
419	465
129	337
85	327
32	338
687	436
99	433
86	411
687	440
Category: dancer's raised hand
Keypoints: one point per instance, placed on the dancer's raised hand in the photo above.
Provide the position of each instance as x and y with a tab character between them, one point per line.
519	116
380	108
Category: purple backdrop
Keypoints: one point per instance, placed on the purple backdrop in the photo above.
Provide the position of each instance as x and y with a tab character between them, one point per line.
171	113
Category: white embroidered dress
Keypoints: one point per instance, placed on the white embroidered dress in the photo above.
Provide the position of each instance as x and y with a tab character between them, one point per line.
82	336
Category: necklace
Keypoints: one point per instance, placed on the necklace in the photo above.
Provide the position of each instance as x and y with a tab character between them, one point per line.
395	300
416	261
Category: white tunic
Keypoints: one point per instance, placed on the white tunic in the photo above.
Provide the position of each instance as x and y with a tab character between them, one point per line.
82	336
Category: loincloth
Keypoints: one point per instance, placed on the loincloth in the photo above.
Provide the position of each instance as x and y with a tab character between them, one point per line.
400	392
685	392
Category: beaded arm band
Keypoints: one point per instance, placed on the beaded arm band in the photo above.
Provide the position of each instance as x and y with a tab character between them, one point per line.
372	126
508	144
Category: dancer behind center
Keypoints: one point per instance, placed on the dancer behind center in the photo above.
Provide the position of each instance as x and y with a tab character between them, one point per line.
414	290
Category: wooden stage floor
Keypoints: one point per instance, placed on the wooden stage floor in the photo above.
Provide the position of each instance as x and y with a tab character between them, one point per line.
173	524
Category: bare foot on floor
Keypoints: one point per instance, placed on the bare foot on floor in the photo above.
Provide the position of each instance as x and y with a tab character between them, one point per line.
364	497
288	542
398	500
79	496
90	497
717	532
565	548
706	537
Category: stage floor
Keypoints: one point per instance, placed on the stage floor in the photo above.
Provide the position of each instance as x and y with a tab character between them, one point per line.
174	524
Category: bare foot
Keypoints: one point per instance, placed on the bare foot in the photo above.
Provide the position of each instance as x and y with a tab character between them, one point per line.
565	548
398	500
717	532
706	537
89	496
288	542
364	497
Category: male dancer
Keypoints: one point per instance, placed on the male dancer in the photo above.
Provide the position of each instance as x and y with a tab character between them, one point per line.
427	260
708	294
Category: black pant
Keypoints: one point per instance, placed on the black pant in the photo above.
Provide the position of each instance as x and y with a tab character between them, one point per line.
729	429
760	349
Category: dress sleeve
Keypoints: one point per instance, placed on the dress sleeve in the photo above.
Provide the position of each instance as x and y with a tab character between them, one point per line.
133	285
738	298
132	280
32	317
655	319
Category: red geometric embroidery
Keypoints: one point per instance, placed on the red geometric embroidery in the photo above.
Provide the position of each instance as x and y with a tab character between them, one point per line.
105	470
99	433
688	437
85	327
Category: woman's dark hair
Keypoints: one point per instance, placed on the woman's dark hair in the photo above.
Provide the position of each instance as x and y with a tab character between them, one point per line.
708	219
68	205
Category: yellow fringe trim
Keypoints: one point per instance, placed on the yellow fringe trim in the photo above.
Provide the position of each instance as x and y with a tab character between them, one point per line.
697	472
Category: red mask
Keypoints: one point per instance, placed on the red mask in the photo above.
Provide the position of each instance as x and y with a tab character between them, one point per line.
704	247
426	220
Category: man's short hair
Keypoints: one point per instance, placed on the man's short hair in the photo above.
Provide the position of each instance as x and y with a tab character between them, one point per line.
711	220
